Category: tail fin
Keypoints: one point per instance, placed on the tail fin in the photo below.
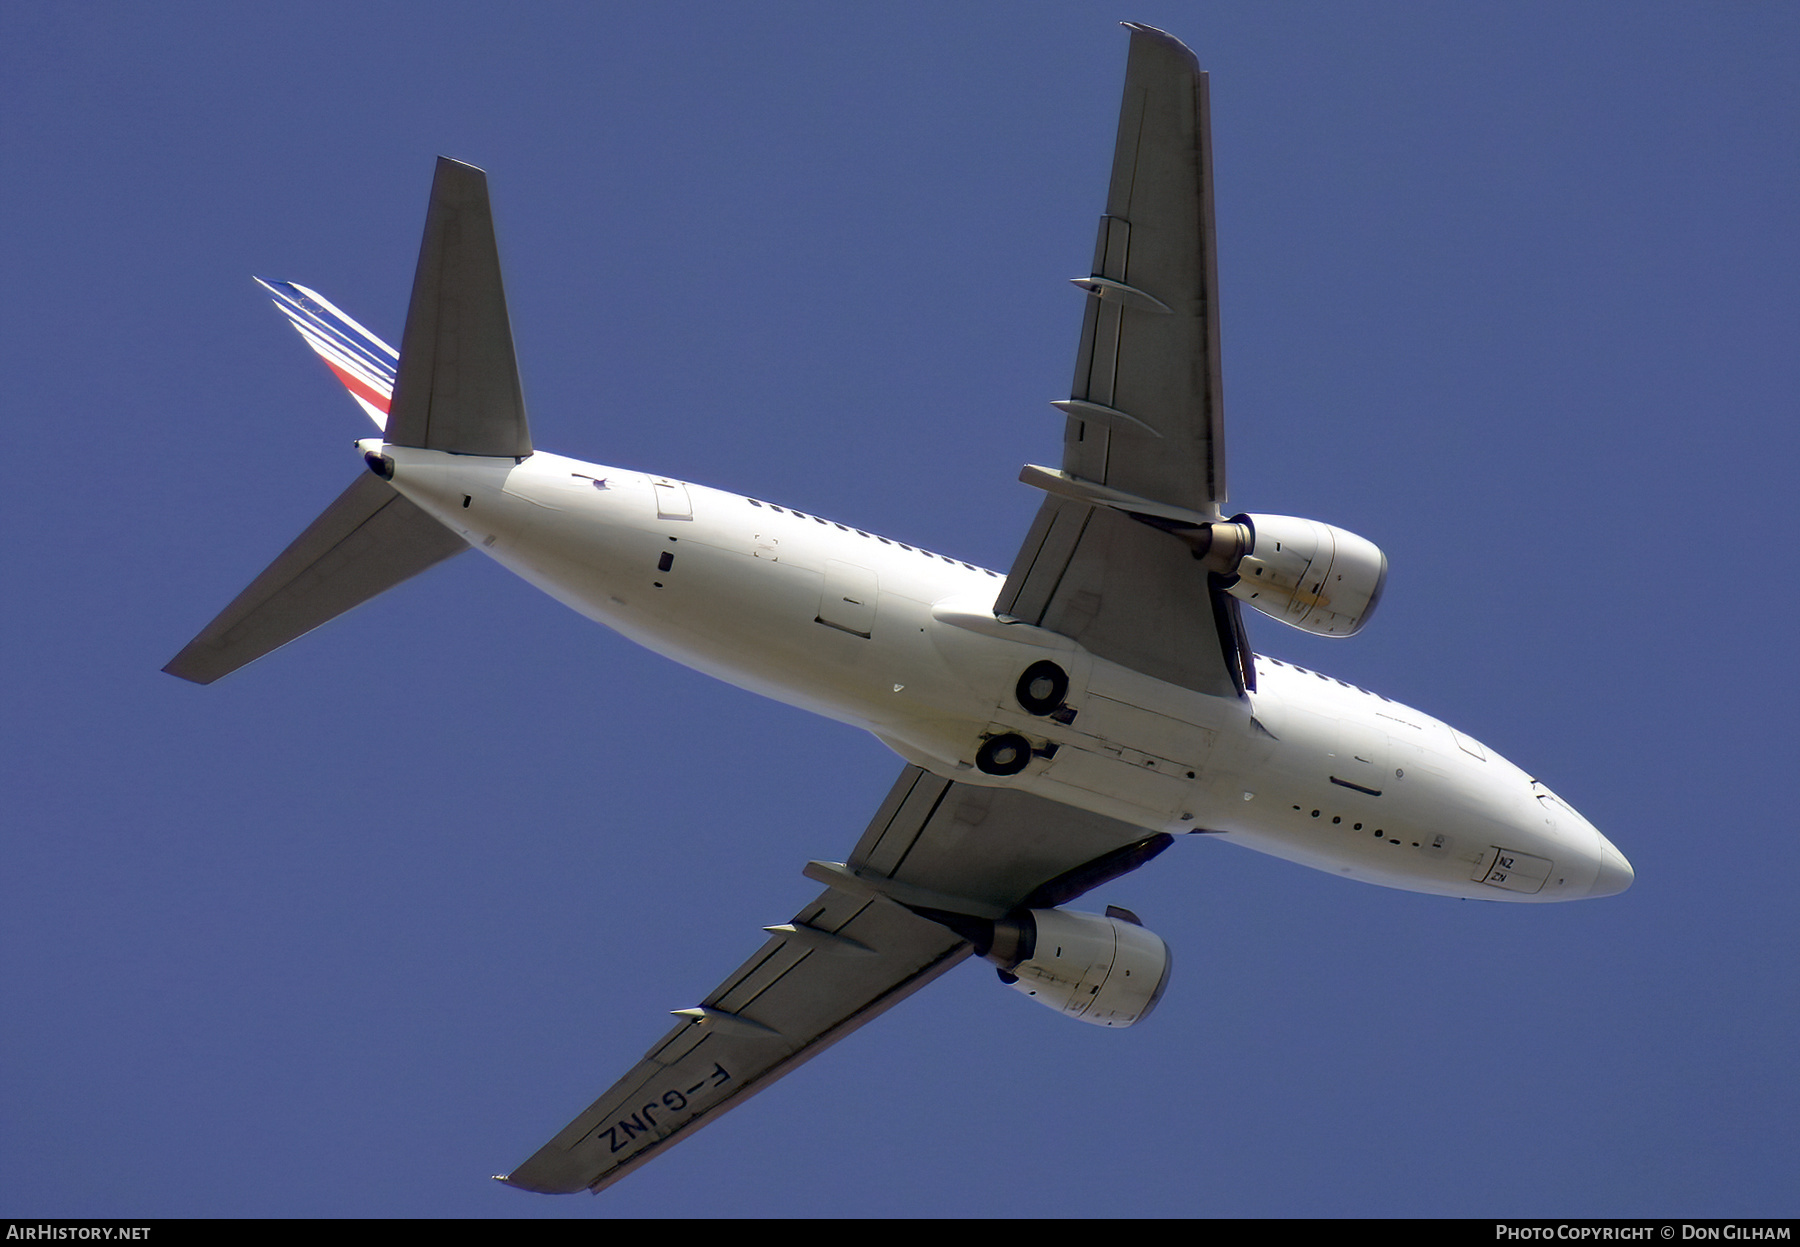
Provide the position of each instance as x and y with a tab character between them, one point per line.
458	383
454	387
362	361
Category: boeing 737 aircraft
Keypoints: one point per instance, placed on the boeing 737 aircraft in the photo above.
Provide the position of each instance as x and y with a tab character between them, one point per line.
1060	724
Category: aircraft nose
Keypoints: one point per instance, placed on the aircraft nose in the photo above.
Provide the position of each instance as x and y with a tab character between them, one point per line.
1615	874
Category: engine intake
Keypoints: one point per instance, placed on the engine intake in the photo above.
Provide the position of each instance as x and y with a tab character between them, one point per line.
1309	575
1106	970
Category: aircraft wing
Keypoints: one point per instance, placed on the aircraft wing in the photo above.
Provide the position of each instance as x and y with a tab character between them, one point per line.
846	958
1146	412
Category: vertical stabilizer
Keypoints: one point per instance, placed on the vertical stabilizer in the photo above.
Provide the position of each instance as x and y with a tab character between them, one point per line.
458	384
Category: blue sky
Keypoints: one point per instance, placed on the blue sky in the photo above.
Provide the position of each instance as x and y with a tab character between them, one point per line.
1510	289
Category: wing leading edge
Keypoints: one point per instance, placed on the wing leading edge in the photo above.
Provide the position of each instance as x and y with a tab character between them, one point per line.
846	958
1146	410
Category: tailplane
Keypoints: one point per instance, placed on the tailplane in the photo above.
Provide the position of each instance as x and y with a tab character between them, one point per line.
365	543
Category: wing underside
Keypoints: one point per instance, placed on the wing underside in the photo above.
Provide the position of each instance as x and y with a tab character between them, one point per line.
1145	416
845	959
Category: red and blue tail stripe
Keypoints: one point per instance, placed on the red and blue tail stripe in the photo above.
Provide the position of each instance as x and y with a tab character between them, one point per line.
362	361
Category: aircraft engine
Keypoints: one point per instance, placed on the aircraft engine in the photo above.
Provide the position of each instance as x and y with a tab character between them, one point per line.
1108	970
1309	575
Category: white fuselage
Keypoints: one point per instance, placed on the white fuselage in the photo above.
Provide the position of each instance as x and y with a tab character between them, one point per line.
904	643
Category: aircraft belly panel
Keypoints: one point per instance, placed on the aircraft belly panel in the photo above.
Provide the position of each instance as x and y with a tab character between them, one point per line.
1154	789
1113	724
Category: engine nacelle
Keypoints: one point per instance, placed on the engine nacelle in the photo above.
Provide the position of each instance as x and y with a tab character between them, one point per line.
1108	970
1307	574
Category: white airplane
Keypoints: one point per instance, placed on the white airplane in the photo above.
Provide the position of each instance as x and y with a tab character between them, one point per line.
1060	725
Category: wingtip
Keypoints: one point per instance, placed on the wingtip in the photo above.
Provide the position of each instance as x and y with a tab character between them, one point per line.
187	670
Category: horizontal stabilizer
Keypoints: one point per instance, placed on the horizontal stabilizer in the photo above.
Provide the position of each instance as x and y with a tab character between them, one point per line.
368	541
356	357
458	385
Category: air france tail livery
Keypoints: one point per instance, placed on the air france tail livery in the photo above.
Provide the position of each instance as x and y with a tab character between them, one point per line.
1085	709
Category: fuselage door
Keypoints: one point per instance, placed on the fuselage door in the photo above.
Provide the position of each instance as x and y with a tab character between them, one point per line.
847	601
1361	756
672	502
